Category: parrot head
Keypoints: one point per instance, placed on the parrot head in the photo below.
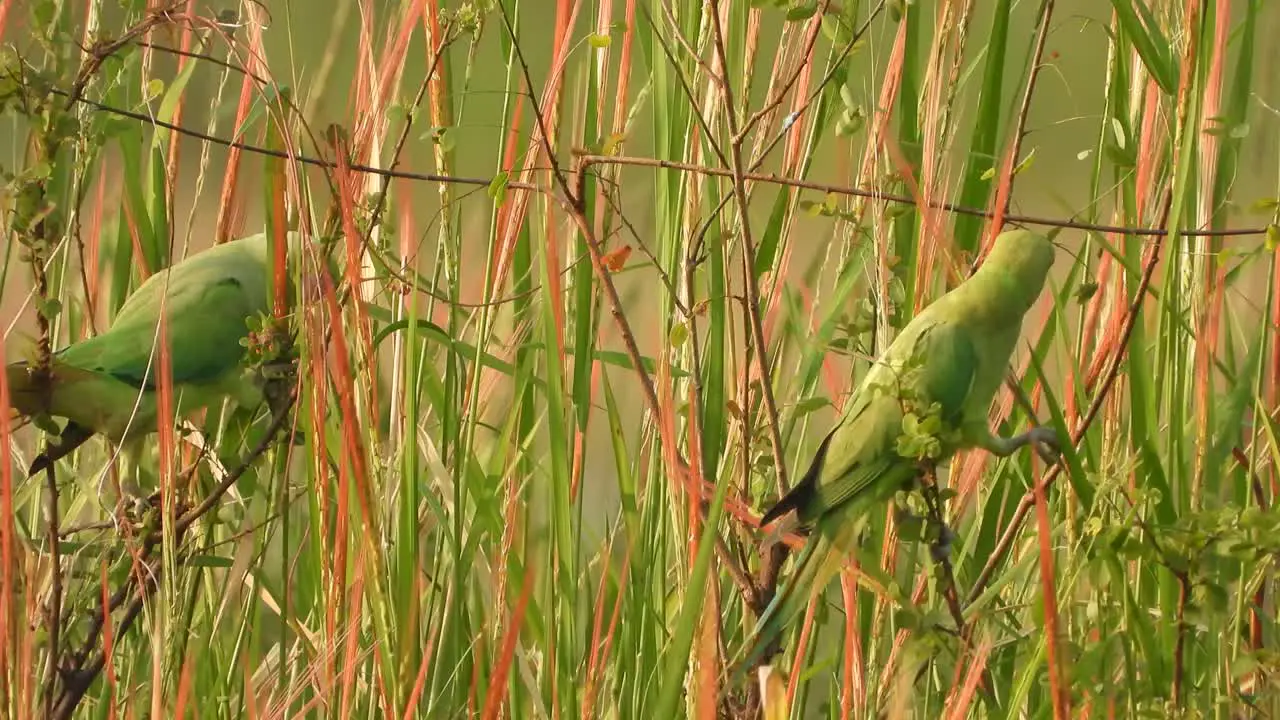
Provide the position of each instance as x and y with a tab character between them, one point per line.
1022	253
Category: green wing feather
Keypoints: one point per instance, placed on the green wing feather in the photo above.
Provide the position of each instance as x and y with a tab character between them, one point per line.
106	383
206	301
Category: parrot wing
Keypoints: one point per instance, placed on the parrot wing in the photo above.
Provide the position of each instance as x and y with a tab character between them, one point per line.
207	301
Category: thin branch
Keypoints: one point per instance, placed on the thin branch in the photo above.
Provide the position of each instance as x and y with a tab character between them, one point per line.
586	160
749	261
1004	193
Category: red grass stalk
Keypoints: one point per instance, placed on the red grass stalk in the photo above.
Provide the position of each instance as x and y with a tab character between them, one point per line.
225	226
1003	189
184	44
140	258
473	686
420	682
1274	374
802	645
1057	674
507	232
705	660
26	670
707	650
279	229
1214	278
348	187
352	640
496	695
597	612
853	685
934	133
791	163
184	688
876	130
8	610
624	69
250	698
5	5
549	103
792	157
332	542
108	642
1149	142
600	654
165	417
961	698
92	246
1107	291
353	470
372	112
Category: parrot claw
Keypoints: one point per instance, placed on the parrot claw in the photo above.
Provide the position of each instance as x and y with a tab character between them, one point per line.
1045	440
941	549
776	533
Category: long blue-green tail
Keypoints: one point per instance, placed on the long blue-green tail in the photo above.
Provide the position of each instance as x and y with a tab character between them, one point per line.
815	565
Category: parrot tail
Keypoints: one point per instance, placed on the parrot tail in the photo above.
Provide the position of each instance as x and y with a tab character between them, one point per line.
23	398
802	493
816	564
27	397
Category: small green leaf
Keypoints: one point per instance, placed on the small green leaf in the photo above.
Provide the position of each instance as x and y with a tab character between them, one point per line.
1117	130
804	407
1264	205
49	307
155	89
802	12
1026	162
678	335
497	190
1086	291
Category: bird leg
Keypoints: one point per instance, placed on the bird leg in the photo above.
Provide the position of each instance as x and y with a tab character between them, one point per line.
1039	436
788	524
278	378
72	437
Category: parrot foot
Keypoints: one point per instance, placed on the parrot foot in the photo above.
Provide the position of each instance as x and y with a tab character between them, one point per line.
941	549
775	535
72	437
1044	438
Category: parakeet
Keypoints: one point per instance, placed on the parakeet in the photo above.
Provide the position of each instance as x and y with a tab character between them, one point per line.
953	354
108	384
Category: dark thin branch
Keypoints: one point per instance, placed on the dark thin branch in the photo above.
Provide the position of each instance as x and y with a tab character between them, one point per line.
1020	126
755	177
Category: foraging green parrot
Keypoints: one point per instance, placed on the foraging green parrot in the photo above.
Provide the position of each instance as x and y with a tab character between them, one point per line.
108	384
953	354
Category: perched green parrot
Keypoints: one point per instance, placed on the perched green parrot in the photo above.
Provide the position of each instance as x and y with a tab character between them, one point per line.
108	384
955	354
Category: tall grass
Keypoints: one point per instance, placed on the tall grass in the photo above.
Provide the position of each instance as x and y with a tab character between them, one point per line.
599	277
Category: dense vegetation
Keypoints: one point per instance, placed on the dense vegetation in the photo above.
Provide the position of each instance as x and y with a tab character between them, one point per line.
603	275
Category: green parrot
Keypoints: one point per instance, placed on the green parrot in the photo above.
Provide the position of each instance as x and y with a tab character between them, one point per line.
951	357
108	384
